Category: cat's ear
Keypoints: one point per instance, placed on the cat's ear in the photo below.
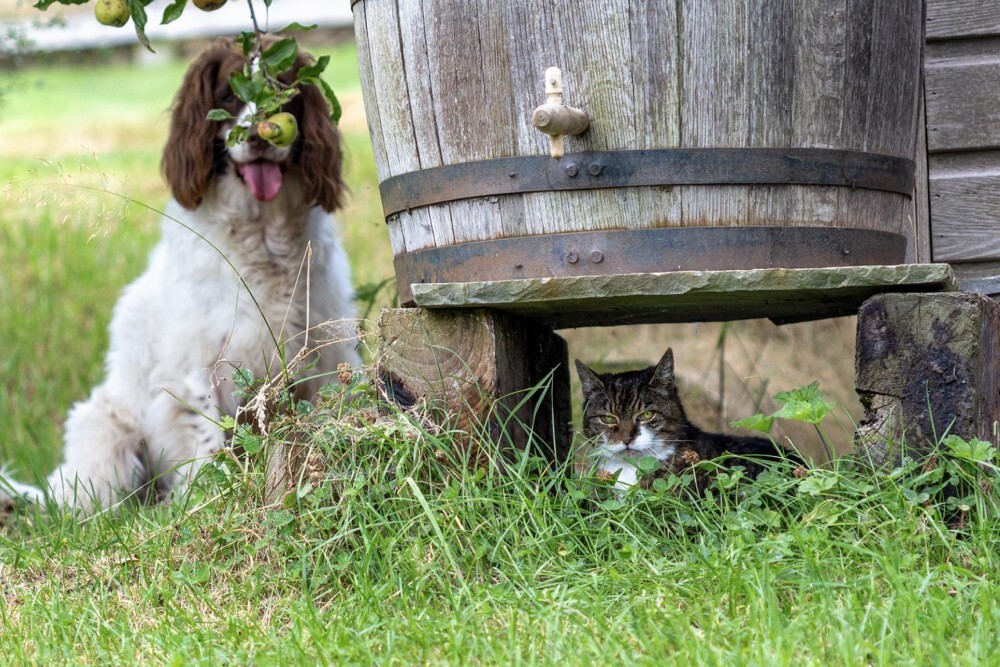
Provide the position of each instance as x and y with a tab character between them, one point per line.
664	372
588	378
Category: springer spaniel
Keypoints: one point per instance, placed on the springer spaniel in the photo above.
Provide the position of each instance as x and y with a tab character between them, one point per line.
248	258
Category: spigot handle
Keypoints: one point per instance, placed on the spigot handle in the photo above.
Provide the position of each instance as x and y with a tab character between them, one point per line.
555	118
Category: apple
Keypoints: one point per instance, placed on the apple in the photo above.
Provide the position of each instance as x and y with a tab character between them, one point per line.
111	12
280	129
208	5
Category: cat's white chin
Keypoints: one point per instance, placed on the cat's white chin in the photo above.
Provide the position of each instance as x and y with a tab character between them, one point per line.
627	473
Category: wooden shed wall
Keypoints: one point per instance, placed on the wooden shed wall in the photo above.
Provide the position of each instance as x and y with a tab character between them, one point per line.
962	88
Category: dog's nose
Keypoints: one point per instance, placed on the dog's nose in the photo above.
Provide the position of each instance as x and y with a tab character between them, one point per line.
254	139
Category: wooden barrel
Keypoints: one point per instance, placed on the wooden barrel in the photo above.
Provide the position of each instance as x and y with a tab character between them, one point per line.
724	134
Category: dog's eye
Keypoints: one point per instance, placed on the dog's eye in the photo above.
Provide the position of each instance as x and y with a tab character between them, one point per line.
610	420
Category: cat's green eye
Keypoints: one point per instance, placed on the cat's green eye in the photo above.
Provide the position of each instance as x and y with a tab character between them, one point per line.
646	416
610	420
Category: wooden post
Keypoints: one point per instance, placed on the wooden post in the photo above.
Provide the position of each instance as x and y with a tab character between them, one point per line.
927	365
475	369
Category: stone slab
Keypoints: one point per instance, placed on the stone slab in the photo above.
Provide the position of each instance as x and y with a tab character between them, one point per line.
782	295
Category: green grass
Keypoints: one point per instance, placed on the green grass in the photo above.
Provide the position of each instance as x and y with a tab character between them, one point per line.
393	551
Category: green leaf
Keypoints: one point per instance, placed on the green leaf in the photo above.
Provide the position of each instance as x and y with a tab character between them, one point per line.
312	71
728	480
281	55
173	11
137	8
826	512
244	87
243	378
975	450
817	482
246	40
297	27
237	134
758	422
915	497
218	114
809	394
647	465
44	4
331	99
309	75
805	404
247	440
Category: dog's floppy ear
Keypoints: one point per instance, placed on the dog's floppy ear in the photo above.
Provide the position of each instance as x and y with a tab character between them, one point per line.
190	155
319	150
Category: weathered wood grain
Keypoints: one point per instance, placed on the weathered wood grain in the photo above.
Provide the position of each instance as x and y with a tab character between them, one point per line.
391	95
473	370
880	105
963	130
926	365
962	79
979	277
920	223
962	18
655	57
965	206
436	228
368	89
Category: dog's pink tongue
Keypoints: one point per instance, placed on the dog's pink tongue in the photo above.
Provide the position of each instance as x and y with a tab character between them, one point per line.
263	179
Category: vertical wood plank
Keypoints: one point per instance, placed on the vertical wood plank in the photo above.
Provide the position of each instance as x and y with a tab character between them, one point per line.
393	96
920	233
466	79
655	59
714	90
817	99
368	91
771	71
883	98
894	78
420	83
397	236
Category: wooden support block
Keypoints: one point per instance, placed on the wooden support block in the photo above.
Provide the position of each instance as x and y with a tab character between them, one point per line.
927	365
474	369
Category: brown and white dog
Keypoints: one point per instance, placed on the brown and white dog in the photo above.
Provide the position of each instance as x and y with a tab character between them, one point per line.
249	256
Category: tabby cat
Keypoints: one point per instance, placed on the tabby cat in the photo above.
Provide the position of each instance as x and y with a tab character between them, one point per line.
635	414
